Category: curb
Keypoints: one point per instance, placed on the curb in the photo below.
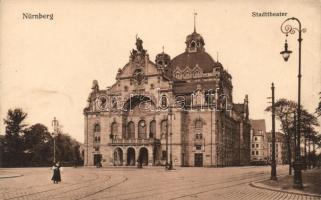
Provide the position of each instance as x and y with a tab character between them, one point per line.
254	184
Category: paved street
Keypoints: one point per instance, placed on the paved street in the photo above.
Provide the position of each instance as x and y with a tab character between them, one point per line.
148	183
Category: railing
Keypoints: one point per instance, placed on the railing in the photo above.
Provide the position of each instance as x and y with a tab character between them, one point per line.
122	141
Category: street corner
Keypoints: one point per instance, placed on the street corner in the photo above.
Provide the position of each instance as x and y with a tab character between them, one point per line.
311	186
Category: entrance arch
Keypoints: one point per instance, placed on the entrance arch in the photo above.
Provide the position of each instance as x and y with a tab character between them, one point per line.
118	157
143	156
131	157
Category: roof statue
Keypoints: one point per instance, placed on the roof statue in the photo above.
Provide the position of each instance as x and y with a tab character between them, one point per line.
139	44
139	48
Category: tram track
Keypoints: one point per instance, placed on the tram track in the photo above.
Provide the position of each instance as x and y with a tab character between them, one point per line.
165	185
88	182
189	187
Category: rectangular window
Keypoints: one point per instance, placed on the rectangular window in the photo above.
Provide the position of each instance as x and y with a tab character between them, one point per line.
257	145
252	152
257	153
163	155
252	145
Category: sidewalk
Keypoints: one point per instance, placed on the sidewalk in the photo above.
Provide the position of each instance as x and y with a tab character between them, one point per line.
311	184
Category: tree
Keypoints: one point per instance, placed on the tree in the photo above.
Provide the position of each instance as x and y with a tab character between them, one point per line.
13	141
284	112
318	109
308	121
33	146
67	149
38	145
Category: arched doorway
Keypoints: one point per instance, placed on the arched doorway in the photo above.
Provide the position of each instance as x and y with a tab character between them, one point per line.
131	156
118	157
143	156
156	157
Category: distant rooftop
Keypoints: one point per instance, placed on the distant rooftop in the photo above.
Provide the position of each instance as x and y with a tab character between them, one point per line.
258	126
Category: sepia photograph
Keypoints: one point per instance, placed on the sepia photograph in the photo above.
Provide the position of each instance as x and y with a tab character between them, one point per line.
160	100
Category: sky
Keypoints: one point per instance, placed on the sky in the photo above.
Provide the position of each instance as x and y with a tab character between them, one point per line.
47	66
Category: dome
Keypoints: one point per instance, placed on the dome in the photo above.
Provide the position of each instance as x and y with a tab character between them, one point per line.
195	37
194	42
162	59
200	58
162	56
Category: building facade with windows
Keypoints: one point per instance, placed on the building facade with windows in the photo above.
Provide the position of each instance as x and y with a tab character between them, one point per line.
280	148
176	110
259	142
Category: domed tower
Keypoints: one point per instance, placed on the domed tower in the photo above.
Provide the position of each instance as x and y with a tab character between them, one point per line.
162	60
194	42
194	62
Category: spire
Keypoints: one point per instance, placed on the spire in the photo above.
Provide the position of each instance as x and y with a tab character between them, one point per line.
195	13
217	56
163	48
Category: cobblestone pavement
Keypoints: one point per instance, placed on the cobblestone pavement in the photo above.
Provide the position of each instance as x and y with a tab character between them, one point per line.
148	183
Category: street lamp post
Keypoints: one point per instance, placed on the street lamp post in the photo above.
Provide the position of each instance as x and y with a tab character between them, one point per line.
273	164
286	29
170	138
55	125
166	144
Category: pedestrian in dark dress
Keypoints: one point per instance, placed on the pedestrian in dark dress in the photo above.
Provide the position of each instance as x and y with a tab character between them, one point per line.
56	177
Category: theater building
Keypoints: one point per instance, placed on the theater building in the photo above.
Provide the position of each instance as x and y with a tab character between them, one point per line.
167	110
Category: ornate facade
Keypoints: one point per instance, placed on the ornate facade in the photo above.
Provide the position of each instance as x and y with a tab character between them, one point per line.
176	110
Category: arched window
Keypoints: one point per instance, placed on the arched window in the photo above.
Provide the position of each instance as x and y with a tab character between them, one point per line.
152	127
197	74
193	44
142	129
131	130
114	130
209	97
177	74
187	75
97	128
198	129
97	133
163	128
164	101
114	102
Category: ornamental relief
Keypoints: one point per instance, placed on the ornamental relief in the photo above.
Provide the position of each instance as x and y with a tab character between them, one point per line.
187	73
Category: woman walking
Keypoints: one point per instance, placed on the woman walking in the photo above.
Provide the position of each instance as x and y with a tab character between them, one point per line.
56	173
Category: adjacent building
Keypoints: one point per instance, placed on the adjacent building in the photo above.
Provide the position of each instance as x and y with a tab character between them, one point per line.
177	110
259	142
280	148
